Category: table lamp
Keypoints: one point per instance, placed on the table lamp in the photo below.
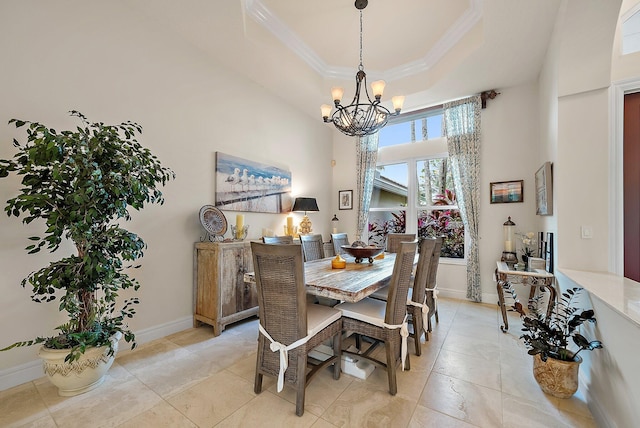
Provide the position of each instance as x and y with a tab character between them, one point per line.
334	224
509	253
305	205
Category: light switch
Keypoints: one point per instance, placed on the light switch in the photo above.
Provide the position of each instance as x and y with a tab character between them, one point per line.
587	232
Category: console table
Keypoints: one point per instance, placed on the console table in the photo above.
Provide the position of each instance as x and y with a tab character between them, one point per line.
507	276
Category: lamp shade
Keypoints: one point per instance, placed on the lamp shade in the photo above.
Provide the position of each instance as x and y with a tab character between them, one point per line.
305	204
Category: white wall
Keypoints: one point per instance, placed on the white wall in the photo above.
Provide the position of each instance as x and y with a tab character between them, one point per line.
575	118
113	65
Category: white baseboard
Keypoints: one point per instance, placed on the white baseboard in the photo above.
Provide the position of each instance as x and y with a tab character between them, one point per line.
17	375
163	330
599	413
452	294
32	370
490	298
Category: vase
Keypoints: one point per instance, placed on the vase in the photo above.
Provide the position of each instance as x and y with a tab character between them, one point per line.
80	376
556	377
525	260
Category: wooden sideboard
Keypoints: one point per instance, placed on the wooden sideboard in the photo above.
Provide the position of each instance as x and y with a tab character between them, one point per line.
221	295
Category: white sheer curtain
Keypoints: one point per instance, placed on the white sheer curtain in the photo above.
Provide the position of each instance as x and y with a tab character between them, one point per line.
462	120
366	158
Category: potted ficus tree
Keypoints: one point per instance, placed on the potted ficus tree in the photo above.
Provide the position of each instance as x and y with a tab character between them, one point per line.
80	183
555	343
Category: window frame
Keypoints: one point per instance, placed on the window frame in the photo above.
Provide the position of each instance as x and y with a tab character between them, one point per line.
412	153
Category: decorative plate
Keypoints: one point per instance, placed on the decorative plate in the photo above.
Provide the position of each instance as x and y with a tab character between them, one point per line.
213	220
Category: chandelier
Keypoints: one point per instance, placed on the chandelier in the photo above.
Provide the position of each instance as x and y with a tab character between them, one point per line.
364	117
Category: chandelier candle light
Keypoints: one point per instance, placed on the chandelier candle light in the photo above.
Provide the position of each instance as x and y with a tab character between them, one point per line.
360	118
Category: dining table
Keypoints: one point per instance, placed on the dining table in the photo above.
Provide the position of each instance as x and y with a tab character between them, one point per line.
351	284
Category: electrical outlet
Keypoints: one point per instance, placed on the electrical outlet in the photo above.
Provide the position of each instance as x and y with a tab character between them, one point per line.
586	232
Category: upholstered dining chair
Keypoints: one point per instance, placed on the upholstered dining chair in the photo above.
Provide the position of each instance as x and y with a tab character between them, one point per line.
432	286
289	328
312	247
394	240
384	322
285	239
416	298
338	240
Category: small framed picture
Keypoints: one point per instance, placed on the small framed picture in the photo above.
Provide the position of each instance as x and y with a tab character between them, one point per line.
345	199
506	191
544	190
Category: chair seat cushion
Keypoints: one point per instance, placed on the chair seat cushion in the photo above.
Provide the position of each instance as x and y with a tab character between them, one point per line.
383	292
369	310
319	317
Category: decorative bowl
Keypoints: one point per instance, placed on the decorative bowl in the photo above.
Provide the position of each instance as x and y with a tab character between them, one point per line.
361	253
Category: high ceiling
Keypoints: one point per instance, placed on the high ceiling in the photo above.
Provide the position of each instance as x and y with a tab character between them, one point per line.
428	50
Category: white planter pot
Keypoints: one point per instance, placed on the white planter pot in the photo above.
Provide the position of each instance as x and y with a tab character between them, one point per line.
82	375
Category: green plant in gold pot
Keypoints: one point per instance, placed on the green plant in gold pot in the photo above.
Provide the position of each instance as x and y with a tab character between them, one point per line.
555	343
81	183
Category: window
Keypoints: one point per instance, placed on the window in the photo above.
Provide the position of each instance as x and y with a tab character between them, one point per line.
438	213
388	202
413	187
631	31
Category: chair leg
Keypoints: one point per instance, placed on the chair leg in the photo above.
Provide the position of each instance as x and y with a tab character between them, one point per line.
407	363
257	383
337	350
391	369
416	320
301	384
437	319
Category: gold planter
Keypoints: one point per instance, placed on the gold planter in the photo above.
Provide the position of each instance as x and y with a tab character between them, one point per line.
556	377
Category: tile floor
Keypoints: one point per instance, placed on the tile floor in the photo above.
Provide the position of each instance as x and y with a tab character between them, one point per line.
469	375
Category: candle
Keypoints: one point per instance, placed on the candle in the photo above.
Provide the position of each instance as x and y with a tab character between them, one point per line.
508	246
239	225
288	230
335	230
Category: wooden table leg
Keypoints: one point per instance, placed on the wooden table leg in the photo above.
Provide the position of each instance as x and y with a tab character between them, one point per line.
503	307
552	297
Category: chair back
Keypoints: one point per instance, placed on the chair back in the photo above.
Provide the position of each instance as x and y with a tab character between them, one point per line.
286	239
421	278
394	240
399	283
312	247
435	262
338	240
280	283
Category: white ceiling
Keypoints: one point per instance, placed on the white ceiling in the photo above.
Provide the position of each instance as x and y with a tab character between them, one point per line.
429	50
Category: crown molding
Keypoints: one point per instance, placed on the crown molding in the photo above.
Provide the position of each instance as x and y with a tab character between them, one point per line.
265	17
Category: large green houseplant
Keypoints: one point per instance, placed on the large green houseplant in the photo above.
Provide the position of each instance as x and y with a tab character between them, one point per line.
80	183
555	342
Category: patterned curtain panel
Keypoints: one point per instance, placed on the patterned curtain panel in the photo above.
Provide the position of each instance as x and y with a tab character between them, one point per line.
462	120
366	157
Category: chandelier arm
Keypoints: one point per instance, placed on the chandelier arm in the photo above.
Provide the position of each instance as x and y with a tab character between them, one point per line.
360	118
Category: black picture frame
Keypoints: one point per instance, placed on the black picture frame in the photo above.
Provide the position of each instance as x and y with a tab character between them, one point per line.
345	199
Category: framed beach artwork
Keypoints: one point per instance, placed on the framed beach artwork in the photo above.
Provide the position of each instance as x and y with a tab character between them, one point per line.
544	190
502	192
245	185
